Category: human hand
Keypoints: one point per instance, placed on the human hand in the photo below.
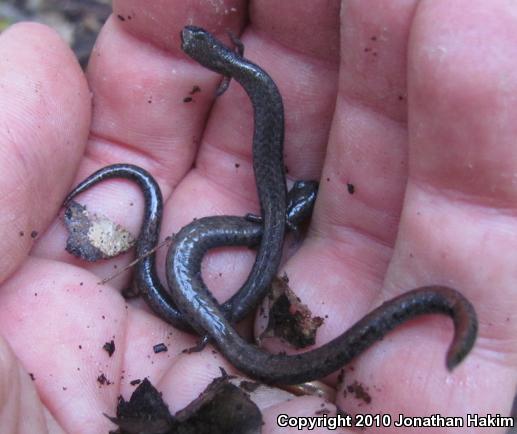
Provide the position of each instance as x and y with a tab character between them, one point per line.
414	110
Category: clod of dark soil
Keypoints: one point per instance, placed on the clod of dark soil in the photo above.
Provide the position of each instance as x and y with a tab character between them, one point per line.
109	347
144	413
289	318
160	348
103	380
359	391
221	408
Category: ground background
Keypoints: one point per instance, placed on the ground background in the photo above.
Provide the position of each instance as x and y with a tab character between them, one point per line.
77	21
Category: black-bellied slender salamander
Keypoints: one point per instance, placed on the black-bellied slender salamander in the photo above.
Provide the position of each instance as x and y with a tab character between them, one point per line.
194	300
268	161
216	229
183	270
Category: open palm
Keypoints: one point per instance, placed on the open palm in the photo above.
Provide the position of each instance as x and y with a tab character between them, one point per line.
411	103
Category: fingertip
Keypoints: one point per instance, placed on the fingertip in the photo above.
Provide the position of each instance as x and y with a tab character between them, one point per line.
46	39
34	57
160	22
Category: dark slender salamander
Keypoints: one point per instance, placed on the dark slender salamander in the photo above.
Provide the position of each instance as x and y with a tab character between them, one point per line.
269	172
268	163
183	269
301	200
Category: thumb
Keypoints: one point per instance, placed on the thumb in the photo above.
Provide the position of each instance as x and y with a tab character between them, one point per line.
44	124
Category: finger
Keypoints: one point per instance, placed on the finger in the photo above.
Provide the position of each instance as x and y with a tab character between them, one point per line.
189	376
457	211
338	271
44	113
139	79
153	349
58	321
179	390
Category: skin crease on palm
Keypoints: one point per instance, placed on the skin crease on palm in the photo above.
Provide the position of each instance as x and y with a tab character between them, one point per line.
412	102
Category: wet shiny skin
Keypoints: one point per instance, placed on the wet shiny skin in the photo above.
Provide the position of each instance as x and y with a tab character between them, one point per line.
183	270
216	231
197	307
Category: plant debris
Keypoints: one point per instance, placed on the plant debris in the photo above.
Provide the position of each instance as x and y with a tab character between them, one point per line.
93	237
133	291
109	347
359	391
144	413
160	348
103	380
221	408
289	318
249	386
